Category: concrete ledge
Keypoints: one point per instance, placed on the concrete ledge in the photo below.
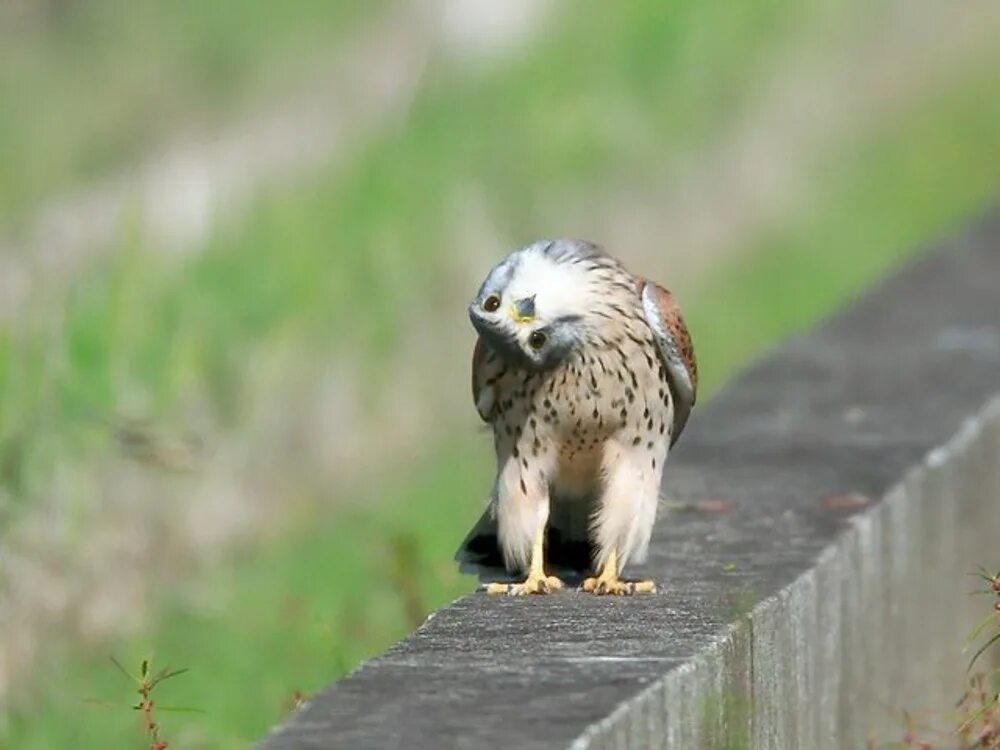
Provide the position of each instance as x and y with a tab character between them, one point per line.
853	480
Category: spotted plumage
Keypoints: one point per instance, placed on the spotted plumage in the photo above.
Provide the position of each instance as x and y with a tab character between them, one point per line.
587	376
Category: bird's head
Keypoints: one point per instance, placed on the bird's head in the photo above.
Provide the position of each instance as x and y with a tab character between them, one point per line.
532	309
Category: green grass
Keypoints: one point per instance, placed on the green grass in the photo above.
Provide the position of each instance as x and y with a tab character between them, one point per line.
895	192
310	605
365	245
85	86
335	267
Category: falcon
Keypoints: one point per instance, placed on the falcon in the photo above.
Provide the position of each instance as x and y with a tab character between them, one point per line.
587	375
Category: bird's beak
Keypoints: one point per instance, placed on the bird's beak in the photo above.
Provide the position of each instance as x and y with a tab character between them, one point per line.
523	311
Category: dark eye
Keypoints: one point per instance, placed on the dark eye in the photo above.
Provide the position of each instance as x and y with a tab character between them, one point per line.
491	303
537	340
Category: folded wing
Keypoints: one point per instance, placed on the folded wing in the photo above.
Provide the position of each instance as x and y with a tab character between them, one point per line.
673	341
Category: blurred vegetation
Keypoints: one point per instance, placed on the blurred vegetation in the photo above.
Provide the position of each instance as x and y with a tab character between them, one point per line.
88	84
335	267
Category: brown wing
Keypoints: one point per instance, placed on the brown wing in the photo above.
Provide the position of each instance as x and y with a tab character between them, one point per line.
676	351
482	393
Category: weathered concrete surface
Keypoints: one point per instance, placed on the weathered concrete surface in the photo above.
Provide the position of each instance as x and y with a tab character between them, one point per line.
864	461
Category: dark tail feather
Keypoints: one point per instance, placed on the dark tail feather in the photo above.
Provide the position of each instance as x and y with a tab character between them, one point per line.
566	554
480	553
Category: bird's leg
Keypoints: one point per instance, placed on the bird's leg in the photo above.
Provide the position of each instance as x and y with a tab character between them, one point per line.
536	582
608	581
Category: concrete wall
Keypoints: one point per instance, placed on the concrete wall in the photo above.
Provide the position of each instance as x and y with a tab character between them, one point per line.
874	627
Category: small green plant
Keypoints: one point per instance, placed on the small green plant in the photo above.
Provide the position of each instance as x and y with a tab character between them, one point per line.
989	625
977	712
403	571
980	727
147	681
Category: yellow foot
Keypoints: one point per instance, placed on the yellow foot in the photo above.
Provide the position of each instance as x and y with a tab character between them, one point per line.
535	584
615	586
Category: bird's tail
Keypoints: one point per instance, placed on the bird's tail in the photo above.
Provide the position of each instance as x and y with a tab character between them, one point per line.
479	554
568	551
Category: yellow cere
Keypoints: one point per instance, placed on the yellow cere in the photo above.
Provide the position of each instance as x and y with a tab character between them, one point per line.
517	317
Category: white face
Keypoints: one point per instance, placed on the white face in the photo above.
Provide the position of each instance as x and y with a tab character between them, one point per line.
532	306
559	288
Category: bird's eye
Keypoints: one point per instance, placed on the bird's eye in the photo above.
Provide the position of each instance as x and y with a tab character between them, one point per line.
537	340
491	303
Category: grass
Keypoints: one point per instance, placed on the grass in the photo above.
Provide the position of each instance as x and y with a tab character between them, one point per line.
85	86
364	245
914	180
309	605
335	267
974	719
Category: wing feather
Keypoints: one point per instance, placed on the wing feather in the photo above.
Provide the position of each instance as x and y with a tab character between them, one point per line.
673	341
483	392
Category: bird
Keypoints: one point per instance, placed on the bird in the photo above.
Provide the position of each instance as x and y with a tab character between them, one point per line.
586	374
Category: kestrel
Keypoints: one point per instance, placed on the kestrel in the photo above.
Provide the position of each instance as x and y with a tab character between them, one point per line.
587	375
